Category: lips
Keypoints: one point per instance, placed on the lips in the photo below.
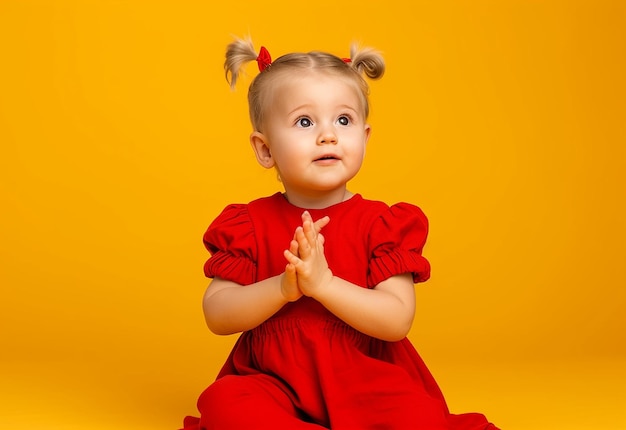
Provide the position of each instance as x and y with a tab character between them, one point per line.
327	157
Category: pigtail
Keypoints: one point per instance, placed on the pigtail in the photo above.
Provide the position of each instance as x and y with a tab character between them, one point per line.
238	52
368	61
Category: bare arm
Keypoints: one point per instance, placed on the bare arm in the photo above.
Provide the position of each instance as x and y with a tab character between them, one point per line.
231	308
385	312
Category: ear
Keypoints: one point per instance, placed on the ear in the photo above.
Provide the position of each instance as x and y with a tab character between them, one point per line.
261	149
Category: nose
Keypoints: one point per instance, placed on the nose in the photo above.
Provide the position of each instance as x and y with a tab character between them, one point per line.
327	136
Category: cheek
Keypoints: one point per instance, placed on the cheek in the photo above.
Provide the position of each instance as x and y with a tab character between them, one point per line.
357	155
363	154
360	146
287	156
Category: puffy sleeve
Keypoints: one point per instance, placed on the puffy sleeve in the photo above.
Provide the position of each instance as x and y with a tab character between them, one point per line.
231	242
396	242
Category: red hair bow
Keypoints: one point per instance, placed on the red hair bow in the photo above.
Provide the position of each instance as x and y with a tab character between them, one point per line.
264	59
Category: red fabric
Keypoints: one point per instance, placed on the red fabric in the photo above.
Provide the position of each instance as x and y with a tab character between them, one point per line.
304	368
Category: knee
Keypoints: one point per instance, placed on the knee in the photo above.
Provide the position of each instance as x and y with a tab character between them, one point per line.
244	402
220	395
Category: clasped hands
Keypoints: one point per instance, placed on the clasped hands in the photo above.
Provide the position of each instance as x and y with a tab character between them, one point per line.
307	272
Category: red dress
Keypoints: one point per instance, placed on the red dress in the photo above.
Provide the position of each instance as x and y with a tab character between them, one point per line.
304	368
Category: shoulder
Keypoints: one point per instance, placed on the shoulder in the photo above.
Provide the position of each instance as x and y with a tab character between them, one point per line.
232	216
236	214
396	240
400	221
394	213
235	225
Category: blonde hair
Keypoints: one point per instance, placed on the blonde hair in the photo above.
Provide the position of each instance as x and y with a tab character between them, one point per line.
366	61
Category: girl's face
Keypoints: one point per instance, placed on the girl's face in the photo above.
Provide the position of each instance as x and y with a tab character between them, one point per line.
315	135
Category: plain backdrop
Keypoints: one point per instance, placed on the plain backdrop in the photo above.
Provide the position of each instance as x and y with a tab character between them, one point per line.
120	141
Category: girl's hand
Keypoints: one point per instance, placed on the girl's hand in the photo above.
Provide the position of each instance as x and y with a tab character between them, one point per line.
309	262
289	281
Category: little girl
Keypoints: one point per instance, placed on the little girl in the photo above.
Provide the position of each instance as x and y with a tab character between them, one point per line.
319	280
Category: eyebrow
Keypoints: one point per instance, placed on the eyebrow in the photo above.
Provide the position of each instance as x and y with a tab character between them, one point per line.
308	105
300	107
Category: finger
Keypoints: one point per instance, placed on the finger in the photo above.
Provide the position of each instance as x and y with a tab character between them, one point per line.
310	236
304	247
289	286
309	231
291	258
293	247
300	237
290	272
321	223
309	226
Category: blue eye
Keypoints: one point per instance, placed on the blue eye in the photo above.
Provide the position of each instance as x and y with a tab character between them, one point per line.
343	120
304	122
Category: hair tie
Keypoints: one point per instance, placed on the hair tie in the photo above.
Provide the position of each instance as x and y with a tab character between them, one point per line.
264	59
347	60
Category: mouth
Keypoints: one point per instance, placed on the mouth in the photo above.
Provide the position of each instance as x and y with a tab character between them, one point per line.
327	157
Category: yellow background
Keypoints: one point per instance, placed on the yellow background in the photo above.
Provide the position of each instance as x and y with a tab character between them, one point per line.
120	141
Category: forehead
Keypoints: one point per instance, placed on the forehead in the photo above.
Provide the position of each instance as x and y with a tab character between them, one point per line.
315	86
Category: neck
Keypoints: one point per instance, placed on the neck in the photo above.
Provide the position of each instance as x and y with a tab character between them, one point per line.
318	200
